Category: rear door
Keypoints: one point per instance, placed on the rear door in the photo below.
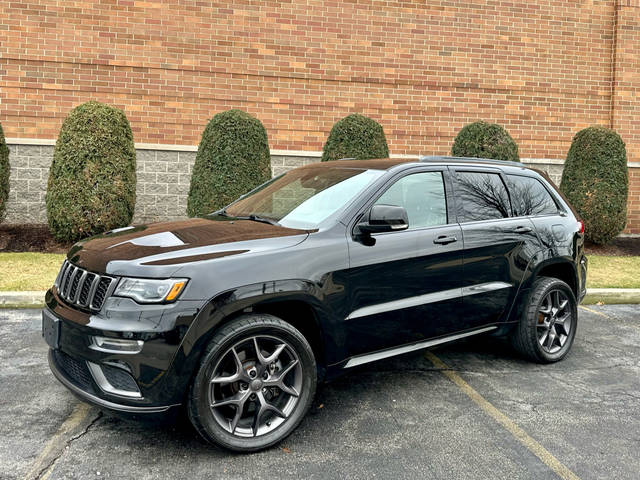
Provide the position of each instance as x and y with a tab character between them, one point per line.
497	247
405	285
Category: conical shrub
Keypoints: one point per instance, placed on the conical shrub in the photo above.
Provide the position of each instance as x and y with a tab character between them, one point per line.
355	136
595	180
92	180
485	140
233	158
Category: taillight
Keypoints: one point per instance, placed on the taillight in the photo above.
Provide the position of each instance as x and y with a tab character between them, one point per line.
581	225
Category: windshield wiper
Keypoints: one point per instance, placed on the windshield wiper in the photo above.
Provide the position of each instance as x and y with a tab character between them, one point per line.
257	218
254	217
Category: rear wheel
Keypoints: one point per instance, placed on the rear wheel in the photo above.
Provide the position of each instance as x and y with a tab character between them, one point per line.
548	326
255	384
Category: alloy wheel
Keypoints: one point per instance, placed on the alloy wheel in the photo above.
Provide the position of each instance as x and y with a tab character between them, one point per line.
255	386
555	321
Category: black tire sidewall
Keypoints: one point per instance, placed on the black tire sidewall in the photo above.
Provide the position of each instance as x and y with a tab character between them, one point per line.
244	327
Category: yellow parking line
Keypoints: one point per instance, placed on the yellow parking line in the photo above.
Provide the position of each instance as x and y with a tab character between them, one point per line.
77	416
523	437
594	311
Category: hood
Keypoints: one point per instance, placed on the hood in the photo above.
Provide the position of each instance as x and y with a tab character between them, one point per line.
176	243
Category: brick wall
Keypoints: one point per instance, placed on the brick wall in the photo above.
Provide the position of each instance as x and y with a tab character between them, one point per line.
544	69
541	68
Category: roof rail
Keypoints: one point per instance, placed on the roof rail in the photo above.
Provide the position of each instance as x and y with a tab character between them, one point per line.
444	158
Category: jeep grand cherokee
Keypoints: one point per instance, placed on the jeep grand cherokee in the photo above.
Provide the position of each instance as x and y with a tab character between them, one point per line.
237	315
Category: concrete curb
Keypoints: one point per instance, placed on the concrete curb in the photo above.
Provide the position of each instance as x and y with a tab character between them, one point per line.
35	299
29	299
612	295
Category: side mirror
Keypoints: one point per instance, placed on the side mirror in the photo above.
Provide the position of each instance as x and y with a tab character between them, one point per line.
384	218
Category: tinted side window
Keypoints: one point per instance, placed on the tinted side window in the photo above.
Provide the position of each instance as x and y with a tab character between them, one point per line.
422	195
530	197
481	196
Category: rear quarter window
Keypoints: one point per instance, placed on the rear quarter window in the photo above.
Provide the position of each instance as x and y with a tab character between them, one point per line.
529	197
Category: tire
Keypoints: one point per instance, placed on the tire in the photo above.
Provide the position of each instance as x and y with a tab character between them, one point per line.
266	387
544	315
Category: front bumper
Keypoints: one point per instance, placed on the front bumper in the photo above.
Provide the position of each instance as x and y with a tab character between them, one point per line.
151	380
88	394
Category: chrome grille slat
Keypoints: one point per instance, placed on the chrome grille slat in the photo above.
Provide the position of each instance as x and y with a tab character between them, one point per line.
82	288
76	287
86	289
101	293
70	277
65	276
61	274
92	292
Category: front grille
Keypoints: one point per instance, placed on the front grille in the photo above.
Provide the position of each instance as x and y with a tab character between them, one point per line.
119	379
82	288
75	370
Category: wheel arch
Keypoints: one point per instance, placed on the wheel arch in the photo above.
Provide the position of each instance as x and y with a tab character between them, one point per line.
297	302
558	267
562	269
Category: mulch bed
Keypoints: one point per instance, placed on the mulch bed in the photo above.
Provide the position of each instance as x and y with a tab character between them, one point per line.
620	247
29	238
36	238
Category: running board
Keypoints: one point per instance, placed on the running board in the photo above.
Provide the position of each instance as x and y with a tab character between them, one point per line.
392	352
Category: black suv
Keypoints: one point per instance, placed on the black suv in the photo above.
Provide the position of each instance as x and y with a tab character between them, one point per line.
239	314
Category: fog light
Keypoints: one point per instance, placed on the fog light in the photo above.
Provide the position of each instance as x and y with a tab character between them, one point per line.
116	345
114	381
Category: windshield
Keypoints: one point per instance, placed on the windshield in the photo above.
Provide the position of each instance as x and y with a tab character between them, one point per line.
303	198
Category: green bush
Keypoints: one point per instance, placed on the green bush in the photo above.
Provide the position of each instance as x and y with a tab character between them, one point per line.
596	181
92	181
233	158
4	174
355	136
485	140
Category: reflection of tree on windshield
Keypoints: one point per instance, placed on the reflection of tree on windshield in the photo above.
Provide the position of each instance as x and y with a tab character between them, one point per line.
483	196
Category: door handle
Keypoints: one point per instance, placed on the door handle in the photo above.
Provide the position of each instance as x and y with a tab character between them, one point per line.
444	239
522	229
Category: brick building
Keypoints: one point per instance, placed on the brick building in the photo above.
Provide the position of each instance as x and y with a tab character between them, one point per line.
543	69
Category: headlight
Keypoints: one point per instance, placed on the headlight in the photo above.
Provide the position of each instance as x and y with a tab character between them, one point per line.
144	290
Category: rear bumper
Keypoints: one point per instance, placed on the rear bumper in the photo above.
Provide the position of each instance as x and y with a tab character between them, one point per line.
582	278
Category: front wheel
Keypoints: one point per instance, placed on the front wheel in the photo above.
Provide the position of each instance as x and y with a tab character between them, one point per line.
255	384
548	326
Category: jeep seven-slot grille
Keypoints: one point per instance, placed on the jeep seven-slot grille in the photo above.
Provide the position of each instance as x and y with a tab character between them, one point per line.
80	287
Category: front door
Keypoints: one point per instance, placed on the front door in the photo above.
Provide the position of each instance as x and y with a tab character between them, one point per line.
406	286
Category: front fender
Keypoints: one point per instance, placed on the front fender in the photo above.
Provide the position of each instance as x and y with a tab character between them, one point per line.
230	303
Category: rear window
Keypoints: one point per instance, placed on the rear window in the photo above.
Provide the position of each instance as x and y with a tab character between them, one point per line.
530	197
481	196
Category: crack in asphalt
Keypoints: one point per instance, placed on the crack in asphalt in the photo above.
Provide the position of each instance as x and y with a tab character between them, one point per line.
43	474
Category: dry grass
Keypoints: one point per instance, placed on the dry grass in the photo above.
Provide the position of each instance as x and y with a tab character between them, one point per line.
28	271
613	272
37	271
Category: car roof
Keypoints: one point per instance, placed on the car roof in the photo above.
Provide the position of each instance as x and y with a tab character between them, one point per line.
375	164
387	163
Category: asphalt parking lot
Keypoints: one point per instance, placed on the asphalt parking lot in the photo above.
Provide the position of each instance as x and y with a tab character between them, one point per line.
470	410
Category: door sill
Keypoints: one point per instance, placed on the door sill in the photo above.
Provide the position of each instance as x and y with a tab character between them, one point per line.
392	352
